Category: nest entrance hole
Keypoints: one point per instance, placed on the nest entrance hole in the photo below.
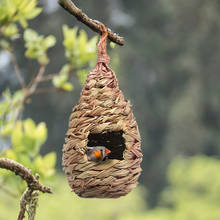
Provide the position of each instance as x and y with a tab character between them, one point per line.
113	140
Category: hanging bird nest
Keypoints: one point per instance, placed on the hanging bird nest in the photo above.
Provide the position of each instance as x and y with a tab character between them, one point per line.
102	117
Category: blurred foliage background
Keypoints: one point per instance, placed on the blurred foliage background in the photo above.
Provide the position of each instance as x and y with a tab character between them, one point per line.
168	68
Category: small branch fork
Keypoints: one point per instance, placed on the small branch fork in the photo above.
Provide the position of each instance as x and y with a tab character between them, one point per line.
69	6
29	196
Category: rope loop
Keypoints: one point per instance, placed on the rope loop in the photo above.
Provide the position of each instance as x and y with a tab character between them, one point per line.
102	50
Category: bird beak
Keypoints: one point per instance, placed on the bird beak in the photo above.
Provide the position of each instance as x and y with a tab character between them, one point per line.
107	151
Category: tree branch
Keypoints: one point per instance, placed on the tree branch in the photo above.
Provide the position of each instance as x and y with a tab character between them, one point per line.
24	173
69	6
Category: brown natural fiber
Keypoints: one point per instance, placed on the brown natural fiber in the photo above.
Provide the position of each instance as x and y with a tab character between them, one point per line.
102	117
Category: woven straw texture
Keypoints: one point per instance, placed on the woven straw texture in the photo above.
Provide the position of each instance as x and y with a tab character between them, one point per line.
102	109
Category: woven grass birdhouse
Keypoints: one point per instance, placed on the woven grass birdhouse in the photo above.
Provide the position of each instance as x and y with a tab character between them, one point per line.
102	117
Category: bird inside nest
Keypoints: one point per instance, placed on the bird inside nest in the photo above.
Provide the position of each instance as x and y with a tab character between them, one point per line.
97	153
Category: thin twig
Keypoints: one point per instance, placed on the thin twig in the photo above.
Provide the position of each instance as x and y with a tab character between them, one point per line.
35	82
69	6
24	173
30	90
17	70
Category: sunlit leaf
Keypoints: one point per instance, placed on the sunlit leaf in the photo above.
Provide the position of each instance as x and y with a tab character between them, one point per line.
45	165
67	86
60	79
50	160
79	51
40	132
4	44
10	154
25	160
7	129
112	44
30	35
49	41
37	45
29	127
10	30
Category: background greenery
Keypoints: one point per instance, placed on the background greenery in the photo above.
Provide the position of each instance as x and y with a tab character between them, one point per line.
168	68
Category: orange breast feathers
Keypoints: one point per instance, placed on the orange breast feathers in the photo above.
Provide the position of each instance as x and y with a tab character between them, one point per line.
97	154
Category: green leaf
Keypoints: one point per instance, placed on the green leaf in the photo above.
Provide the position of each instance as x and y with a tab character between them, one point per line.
10	31
27	138
23	22
38	164
5	173
10	154
37	45
49	163
50	160
24	159
29	127
34	138
69	36
9	106
49	41
67	86
30	35
79	50
34	13
7	129
82	42
40	133
65	69
4	44
112	44
30	146
18	11
45	166
29	141
60	79
43	60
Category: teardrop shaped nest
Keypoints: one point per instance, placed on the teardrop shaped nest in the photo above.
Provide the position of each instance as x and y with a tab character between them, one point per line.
102	117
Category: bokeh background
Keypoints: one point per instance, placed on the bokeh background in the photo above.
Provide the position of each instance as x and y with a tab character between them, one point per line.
169	69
